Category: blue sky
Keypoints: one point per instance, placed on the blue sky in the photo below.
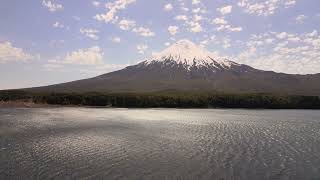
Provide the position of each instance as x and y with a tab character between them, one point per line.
52	41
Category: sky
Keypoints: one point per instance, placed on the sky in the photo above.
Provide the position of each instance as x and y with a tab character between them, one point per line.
45	42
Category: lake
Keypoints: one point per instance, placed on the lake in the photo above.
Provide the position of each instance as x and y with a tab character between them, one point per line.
88	143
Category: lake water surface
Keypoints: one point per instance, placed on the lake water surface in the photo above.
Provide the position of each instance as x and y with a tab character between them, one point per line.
84	143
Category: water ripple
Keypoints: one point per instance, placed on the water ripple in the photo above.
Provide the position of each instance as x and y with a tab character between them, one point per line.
79	143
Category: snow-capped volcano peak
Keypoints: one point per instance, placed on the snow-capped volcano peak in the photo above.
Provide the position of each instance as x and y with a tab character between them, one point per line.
189	54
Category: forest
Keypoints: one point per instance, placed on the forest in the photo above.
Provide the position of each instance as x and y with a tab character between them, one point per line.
167	99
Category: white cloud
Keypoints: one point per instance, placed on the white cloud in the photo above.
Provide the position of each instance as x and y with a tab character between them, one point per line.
90	56
226	43
126	24
301	18
313	34
281	35
194	2
197	10
11	53
204	43
197	18
185	9
167	44
58	25
236	29
116	39
225	10
168	7
142	31
181	18
224	25
142	48
195	27
269	40
219	21
289	3
96	3
283	52
90	33
183	6
113	8
173	30
264	8
193	23
52	7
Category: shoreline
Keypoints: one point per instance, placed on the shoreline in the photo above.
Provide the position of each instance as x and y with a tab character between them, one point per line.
31	104
23	104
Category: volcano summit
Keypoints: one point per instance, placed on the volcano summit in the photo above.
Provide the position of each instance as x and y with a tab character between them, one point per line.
186	66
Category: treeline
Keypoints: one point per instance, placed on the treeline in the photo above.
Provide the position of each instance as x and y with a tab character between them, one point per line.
170	99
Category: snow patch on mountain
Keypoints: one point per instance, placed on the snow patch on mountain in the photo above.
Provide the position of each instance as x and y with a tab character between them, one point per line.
189	54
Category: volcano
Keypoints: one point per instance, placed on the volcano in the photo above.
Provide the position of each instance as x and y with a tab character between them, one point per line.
184	66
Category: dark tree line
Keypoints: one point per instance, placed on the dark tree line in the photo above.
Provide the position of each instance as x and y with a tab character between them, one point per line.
172	99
